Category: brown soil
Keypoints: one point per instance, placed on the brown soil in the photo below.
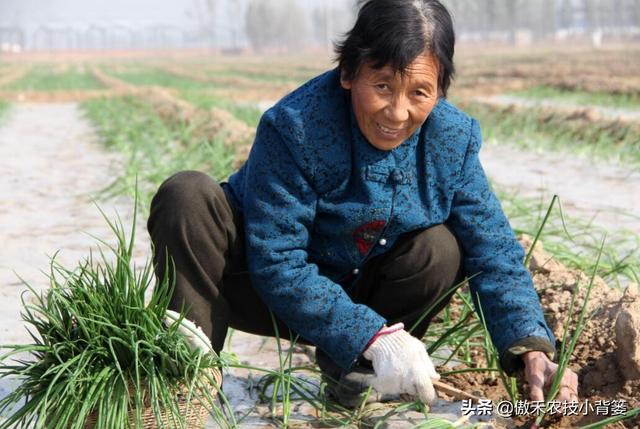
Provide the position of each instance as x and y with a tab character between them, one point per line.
607	70
600	373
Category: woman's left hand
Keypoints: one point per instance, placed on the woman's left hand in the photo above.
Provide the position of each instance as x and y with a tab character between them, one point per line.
539	371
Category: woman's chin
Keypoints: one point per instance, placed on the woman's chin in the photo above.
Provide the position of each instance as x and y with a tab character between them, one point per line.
385	143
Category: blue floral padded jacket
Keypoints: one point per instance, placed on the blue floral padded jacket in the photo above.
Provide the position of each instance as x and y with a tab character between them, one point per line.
317	199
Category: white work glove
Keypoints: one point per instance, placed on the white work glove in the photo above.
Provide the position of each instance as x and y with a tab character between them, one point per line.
195	336
401	364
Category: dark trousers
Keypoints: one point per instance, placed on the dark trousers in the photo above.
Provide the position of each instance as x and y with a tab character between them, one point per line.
192	220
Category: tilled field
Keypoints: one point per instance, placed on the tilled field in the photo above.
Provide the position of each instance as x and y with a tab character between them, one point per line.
202	103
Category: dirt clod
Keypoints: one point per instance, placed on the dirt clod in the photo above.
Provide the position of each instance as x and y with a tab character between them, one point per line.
627	329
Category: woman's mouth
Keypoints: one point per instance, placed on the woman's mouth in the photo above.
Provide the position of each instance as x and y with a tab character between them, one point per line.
389	132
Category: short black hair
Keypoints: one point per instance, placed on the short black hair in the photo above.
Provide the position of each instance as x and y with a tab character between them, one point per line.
396	32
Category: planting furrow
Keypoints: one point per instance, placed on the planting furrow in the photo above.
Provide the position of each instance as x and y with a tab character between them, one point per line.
594	113
209	123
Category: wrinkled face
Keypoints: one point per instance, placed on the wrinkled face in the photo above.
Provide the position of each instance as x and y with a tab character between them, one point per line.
389	107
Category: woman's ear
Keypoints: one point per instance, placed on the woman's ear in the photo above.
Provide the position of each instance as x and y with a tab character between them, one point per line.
344	82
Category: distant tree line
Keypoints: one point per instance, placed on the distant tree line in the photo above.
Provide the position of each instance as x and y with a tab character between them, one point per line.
284	23
267	25
542	18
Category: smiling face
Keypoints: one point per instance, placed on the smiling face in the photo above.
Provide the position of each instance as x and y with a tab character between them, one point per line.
388	106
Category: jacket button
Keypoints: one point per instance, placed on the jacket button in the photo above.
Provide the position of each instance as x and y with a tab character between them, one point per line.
355	271
397	176
383	242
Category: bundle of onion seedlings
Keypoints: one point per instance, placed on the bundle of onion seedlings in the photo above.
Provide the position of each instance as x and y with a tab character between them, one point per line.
100	349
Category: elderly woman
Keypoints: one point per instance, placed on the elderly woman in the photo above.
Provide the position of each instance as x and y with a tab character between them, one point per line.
361	205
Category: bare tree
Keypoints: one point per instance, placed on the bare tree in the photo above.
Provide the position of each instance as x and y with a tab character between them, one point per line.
204	13
275	24
512	19
549	21
492	14
331	21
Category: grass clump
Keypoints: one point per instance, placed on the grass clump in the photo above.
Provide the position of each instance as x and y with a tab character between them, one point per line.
581	98
47	78
100	349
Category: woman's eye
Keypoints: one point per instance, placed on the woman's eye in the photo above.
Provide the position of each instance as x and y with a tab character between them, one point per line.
421	94
382	86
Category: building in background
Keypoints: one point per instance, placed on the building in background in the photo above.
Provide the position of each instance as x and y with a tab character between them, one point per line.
527	21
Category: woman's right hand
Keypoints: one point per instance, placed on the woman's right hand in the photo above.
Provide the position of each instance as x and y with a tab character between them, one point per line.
402	366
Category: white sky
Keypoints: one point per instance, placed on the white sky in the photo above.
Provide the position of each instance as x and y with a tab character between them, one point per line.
84	12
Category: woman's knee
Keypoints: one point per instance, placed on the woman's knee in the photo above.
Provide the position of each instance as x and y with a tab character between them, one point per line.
186	189
183	196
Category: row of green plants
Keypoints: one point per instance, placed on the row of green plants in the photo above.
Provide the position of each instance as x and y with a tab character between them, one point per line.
146	76
51	78
190	90
580	98
537	129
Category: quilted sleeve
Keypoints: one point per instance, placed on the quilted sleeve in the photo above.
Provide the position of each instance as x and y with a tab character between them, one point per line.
279	210
504	288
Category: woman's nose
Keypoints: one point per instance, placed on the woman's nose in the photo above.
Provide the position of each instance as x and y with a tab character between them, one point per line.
398	109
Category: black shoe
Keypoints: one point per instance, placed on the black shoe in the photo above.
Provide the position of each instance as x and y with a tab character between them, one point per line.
350	389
